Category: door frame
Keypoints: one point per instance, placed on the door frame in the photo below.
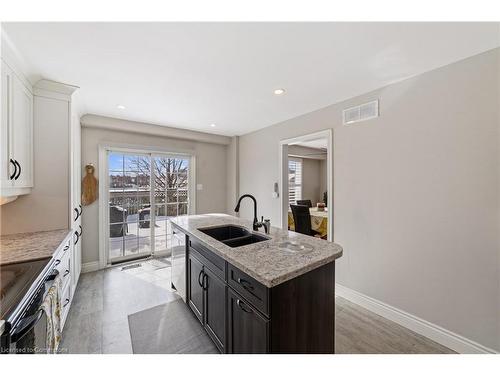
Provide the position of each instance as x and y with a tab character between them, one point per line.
103	182
283	167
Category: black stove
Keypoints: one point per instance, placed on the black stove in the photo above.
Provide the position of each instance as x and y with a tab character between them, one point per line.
23	287
15	282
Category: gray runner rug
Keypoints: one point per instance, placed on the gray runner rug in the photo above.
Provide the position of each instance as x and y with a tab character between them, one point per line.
168	329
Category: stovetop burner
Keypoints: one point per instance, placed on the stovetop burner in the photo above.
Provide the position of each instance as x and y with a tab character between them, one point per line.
15	281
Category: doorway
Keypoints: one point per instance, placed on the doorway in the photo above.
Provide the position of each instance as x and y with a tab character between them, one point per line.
306	178
143	190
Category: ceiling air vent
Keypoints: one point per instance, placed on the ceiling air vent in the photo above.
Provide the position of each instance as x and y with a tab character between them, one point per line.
361	112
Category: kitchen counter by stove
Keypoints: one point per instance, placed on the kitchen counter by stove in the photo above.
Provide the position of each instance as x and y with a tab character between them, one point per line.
23	247
264	261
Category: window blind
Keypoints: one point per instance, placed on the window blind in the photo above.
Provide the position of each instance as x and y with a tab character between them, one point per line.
294	180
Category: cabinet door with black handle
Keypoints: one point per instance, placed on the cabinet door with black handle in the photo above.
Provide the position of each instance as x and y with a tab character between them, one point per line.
215	307
195	286
248	331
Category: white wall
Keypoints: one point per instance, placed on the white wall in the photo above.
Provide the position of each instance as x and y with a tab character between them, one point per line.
210	171
232	175
311	180
416	194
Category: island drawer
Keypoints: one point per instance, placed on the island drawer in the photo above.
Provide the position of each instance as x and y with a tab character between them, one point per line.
216	264
249	288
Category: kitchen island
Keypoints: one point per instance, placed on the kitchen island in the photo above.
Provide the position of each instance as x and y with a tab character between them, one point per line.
259	293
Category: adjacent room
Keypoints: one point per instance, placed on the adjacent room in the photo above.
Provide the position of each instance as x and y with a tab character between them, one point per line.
250	187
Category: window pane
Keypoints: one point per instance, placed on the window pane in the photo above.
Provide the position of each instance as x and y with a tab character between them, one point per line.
159	167
132	214
144	244
115	162
131	246
171	195
159	197
143	199
131	163
144	228
182	178
130	181
143	181
116	214
145	214
171	210
183	195
160	243
160	212
182	209
117	230
115	247
115	180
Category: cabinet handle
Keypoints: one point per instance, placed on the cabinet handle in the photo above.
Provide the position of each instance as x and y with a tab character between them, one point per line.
19	171
58	261
77	237
66	248
203	279
81	209
66	273
11	177
66	302
241	305
77	214
199	276
81	231
245	284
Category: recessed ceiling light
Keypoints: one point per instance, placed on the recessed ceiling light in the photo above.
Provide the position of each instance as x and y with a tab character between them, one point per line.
119	106
212	125
279	91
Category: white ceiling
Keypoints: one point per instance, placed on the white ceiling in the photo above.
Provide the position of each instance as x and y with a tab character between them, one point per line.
191	75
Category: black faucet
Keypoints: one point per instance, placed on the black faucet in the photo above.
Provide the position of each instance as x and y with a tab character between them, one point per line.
256	224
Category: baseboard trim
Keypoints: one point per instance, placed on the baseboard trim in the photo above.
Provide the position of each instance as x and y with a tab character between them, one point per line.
90	267
432	331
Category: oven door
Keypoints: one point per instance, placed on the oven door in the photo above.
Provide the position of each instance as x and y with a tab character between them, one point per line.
30	335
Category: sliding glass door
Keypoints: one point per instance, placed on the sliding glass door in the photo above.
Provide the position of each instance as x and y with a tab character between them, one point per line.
144	190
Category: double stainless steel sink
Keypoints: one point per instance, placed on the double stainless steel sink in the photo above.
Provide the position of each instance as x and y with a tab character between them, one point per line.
233	235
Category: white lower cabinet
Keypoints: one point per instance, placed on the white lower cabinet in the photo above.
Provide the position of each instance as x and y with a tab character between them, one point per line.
64	265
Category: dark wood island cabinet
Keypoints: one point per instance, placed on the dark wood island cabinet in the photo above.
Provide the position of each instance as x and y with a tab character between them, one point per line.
241	315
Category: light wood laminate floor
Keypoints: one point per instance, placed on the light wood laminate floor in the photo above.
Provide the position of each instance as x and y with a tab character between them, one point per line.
98	319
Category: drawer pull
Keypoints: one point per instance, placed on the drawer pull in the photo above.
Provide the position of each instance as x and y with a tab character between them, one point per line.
245	284
241	305
19	172
11	177
199	278
204	281
66	302
66	273
58	261
66	247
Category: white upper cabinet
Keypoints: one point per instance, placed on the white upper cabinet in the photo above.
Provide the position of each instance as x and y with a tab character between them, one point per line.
16	158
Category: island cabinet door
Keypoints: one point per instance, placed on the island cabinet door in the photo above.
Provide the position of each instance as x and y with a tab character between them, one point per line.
248	331
195	286
215	307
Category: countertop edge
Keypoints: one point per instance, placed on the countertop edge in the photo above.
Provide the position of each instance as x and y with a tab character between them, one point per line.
267	282
40	256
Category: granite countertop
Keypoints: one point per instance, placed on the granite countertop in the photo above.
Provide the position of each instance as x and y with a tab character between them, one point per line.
22	247
264	261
